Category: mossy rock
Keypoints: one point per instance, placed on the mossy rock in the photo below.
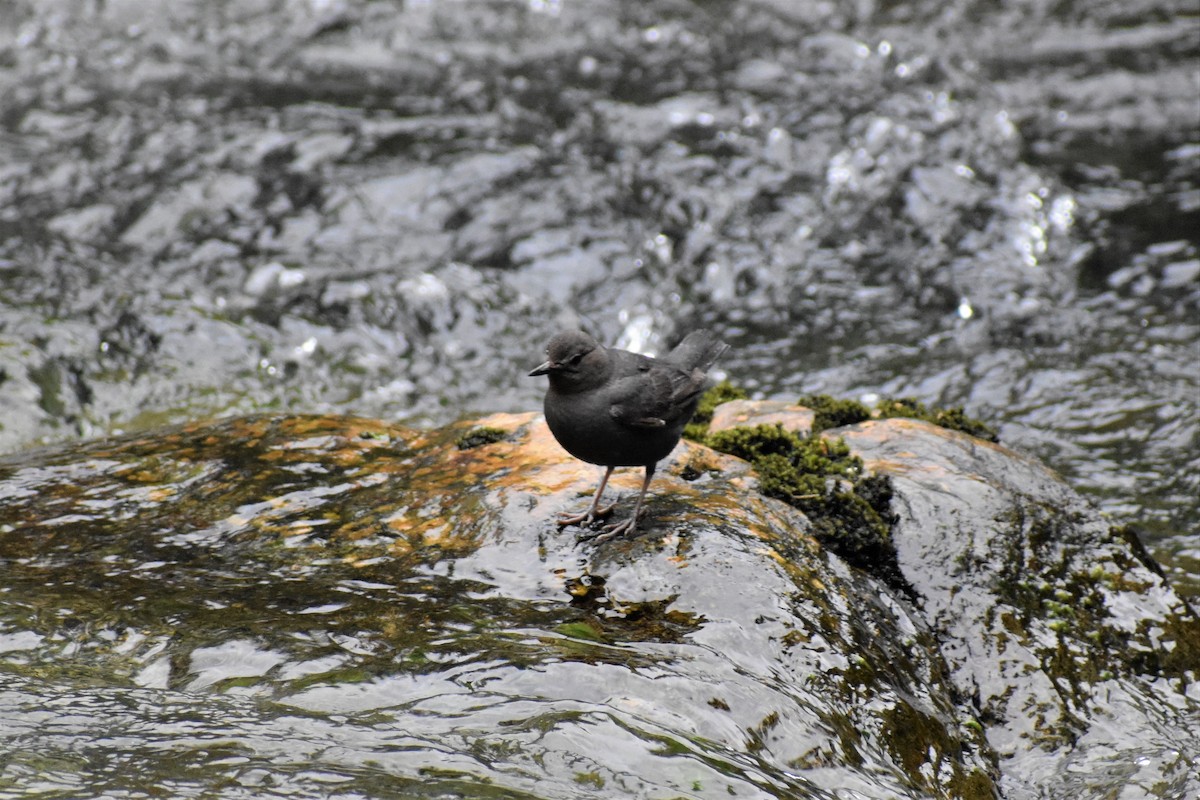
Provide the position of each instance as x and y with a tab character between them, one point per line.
723	392
833	412
849	511
480	435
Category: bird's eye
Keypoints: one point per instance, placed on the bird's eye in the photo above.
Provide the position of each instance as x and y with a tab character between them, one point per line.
575	359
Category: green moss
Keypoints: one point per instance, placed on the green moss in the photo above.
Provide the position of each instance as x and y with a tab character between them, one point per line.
723	392
756	737
479	436
952	418
584	630
593	778
832	412
850	513
1073	599
973	785
927	750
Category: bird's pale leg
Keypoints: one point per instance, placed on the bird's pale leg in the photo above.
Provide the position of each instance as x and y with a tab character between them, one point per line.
626	526
594	511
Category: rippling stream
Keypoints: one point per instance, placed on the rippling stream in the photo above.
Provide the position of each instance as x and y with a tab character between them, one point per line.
215	208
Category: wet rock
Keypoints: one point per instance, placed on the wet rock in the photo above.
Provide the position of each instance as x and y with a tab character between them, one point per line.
1028	590
386	580
748	413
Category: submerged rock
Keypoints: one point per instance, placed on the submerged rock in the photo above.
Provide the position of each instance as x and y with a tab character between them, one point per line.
306	580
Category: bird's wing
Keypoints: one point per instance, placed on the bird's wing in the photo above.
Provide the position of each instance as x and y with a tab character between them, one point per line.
654	395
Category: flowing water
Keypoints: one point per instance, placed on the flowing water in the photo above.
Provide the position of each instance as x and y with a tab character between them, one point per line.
215	208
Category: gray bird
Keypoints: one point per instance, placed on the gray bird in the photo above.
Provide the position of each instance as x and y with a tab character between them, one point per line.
619	409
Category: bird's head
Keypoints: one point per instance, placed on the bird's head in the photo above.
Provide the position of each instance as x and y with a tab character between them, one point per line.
573	359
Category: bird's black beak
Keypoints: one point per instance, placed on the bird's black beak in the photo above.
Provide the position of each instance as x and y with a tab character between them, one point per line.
542	369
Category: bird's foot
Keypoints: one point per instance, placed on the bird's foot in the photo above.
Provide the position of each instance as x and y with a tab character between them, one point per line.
585	518
622	528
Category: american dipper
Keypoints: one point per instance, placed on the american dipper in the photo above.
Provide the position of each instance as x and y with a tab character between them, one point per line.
619	409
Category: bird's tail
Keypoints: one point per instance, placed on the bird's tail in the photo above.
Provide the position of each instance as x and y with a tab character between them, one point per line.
699	350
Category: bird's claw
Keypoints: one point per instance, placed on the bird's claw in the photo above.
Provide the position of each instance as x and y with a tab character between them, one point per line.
622	528
585	518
